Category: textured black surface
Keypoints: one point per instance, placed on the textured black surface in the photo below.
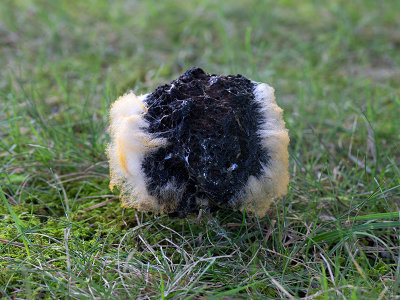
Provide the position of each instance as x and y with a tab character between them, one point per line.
211	124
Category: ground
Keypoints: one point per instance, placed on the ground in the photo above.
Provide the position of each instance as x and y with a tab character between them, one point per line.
335	68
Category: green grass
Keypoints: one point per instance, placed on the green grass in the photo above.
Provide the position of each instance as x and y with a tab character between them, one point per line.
335	66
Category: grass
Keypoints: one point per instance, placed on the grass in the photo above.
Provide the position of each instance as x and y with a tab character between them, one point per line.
335	69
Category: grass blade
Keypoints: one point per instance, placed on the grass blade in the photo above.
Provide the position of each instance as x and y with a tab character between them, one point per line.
18	222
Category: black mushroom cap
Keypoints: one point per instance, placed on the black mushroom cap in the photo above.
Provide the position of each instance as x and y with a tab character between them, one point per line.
211	123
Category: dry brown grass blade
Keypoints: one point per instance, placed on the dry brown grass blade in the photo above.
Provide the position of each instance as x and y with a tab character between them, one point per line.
21	245
105	202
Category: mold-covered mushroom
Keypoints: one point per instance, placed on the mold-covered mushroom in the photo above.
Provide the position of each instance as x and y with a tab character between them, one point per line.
202	141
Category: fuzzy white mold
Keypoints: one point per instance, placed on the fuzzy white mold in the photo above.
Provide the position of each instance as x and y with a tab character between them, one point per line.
261	191
129	144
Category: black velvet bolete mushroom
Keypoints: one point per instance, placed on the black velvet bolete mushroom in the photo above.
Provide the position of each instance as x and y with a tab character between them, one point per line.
203	141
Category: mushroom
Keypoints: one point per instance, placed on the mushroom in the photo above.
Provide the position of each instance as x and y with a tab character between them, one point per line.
203	141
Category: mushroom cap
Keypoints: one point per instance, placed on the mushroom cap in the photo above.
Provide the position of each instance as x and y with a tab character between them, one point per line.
204	140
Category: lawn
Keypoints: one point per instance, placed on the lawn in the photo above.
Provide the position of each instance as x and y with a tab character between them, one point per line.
335	67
